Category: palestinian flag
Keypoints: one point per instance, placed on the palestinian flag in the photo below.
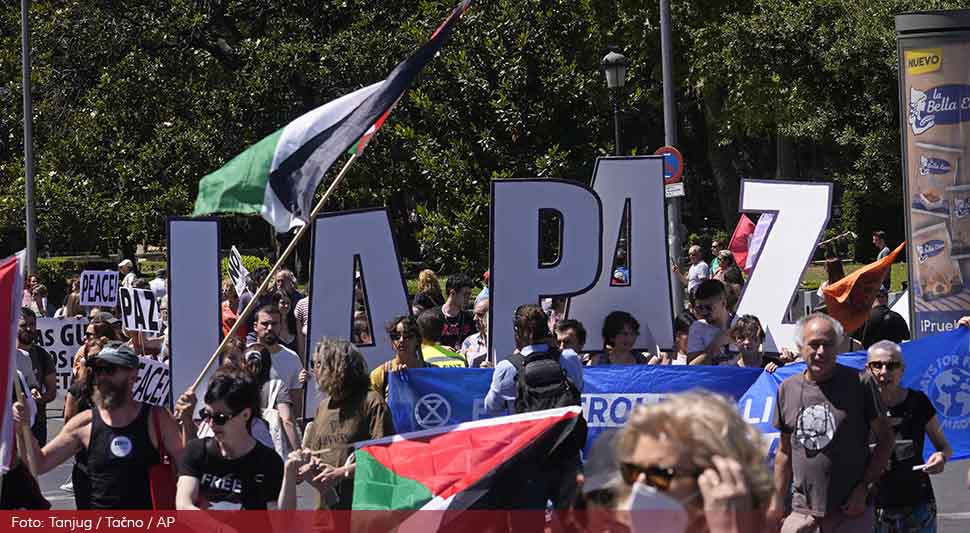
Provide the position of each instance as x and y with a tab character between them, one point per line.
278	176
451	468
11	289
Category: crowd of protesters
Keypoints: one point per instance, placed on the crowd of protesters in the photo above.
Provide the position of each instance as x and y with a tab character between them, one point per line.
851	444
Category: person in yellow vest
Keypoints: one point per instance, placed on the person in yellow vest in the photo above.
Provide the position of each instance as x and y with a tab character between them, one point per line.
430	324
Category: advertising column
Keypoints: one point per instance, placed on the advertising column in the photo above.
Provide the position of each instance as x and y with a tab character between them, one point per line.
934	94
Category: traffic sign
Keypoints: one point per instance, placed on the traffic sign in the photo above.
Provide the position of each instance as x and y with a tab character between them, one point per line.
673	170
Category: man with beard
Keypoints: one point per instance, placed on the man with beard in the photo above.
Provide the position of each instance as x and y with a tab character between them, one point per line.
42	370
286	363
122	437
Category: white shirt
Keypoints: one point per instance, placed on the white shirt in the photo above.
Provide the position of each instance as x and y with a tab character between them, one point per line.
286	367
128	279
700	335
26	367
697	274
159	287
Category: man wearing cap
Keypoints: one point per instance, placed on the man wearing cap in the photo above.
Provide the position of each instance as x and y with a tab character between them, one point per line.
122	437
126	271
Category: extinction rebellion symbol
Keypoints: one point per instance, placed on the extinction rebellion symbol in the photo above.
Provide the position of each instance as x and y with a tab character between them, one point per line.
432	410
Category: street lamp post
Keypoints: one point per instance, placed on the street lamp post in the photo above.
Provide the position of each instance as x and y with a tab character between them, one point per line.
31	225
614	66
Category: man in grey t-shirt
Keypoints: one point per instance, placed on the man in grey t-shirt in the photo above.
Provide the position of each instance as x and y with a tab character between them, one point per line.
825	415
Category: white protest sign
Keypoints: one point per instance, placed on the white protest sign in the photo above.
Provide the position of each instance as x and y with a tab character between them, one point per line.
99	288
801	214
193	299
139	310
516	275
237	272
633	185
345	238
153	383
62	338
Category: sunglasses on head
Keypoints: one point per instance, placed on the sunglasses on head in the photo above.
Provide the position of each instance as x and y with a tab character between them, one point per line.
888	365
218	419
657	477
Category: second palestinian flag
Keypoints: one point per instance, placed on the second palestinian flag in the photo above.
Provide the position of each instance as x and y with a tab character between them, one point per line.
451	468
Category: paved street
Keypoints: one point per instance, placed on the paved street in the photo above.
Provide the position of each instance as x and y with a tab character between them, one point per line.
953	498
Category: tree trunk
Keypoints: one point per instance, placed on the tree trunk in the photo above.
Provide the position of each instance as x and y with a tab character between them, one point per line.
722	160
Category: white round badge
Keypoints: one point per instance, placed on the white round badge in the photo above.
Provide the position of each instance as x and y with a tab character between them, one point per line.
121	446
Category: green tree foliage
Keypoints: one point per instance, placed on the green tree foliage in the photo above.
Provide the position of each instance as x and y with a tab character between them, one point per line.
135	101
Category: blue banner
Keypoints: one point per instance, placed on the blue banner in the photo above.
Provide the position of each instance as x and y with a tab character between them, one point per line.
425	398
938	365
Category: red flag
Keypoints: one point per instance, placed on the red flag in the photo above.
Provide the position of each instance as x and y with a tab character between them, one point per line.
850	299
740	239
11	283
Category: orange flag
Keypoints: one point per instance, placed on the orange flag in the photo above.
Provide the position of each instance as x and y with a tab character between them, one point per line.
850	299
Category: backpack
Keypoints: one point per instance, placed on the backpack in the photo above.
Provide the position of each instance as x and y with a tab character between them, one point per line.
541	382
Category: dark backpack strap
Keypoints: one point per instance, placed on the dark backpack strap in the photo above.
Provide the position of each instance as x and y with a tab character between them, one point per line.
518	361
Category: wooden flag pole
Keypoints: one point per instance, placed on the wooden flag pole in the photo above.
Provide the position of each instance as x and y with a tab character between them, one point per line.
269	276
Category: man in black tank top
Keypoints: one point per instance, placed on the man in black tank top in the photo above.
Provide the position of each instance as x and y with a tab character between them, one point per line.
121	436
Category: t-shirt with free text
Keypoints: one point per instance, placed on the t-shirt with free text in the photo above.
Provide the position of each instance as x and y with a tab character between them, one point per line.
247	482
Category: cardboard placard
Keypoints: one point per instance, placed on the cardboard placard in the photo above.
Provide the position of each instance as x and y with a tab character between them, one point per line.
139	310
99	288
62	338
516	275
237	272
634	182
801	213
153	385
193	299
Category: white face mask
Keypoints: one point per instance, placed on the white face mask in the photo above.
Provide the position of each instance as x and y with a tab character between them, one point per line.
653	510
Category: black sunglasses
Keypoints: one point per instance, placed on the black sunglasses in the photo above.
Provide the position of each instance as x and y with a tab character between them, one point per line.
218	419
888	365
396	336
657	477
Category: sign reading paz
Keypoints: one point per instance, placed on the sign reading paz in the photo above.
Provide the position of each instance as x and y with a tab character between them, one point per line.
99	288
139	310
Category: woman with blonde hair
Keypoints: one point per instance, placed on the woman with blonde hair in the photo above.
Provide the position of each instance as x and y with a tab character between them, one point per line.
429	291
693	457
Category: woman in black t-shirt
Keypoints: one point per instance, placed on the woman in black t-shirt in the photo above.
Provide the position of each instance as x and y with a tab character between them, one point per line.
904	498
232	470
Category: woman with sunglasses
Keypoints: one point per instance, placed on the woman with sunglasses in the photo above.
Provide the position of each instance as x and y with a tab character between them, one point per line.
904	498
405	338
231	470
695	459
